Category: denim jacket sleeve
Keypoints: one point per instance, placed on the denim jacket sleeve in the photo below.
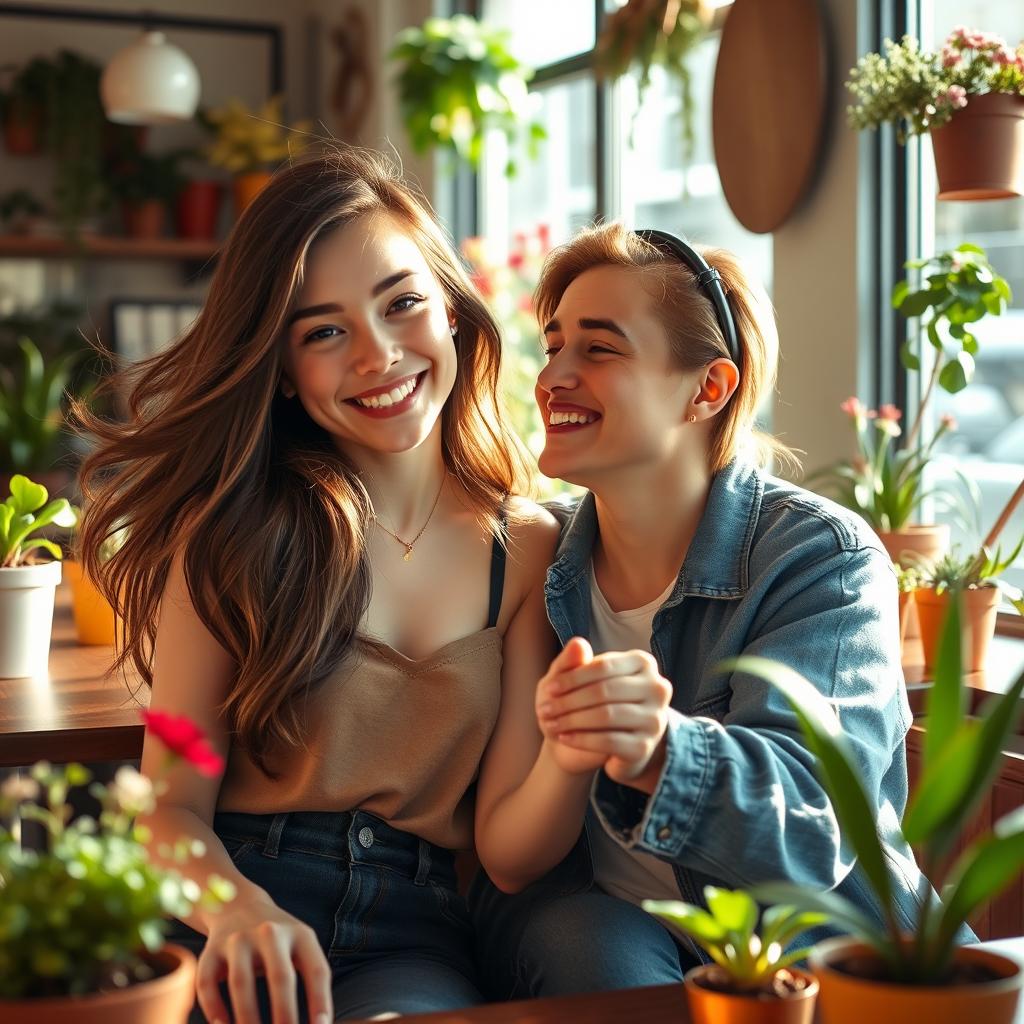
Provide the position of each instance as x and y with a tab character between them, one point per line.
738	799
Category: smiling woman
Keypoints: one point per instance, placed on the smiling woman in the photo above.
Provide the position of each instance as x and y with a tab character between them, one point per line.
336	396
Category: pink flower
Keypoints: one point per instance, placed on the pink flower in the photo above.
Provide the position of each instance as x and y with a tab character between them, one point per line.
889	412
183	738
853	407
950	57
955	96
1004	57
888	426
948	422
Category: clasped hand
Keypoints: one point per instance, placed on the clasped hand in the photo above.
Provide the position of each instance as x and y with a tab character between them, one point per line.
607	710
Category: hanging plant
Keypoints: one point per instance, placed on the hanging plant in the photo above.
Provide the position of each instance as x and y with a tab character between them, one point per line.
456	82
643	33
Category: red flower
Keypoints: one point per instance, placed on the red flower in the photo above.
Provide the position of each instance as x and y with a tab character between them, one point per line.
184	738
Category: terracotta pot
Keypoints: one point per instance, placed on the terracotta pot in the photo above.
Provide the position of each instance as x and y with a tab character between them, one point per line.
847	999
94	618
979	153
906	607
247	187
930	542
144	219
166	999
23	129
979	610
710	1007
197	208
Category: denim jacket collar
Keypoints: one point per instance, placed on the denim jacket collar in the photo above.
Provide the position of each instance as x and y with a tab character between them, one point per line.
716	564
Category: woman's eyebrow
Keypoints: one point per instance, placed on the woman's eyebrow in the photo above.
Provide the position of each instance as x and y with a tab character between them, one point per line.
335	307
589	324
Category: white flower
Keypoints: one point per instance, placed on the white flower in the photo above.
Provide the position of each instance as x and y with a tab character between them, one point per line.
18	788
132	791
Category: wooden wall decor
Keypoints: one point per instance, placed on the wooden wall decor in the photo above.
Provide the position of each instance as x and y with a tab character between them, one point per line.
352	92
768	109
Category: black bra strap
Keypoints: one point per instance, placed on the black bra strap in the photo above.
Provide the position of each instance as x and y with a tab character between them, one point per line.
497	573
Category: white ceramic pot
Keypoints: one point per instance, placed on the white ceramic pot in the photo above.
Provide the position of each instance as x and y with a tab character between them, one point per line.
26	618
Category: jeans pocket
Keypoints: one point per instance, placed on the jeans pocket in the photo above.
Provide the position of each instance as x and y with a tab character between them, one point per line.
452	906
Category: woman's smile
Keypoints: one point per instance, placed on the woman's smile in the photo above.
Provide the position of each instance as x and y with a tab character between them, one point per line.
392	399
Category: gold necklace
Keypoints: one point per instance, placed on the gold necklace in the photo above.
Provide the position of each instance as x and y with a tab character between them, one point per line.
408	544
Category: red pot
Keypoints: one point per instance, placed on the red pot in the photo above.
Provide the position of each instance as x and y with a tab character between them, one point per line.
197	210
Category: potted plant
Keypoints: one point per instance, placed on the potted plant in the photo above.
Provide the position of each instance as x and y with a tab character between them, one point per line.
976	578
751	979
83	919
249	145
23	106
75	130
93	613
969	97
27	587
457	81
880	973
32	417
197	208
19	210
884	482
146	184
642	33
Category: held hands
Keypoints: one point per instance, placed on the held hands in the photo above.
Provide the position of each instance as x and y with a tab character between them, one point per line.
258	937
608	710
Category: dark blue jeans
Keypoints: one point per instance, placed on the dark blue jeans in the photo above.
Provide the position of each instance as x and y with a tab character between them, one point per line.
383	904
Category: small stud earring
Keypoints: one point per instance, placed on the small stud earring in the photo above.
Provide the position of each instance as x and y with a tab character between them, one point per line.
454	329
693	417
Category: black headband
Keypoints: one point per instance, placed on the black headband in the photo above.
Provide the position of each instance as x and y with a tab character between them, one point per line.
707	277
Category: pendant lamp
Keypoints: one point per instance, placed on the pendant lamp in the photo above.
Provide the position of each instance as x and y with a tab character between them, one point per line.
150	82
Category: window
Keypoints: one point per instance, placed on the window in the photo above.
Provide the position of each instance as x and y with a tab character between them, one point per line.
988	447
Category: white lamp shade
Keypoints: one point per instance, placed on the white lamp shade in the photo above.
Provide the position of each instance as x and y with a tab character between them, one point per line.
150	82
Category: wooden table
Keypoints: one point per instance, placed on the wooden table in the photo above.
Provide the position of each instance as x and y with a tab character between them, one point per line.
74	713
662	1004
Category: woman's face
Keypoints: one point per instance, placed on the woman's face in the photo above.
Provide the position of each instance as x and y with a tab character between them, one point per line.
369	350
610	396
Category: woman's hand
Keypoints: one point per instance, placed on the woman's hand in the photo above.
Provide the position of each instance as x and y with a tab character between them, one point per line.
609	710
257	937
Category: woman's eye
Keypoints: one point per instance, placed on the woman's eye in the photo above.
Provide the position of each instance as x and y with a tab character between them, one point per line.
602	348
322	334
552	350
404	303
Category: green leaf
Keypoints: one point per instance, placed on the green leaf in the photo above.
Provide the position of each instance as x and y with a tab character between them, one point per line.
970	247
733	910
46	545
899	293
915	303
957	373
692	920
942	785
946	696
28	496
907	357
837	766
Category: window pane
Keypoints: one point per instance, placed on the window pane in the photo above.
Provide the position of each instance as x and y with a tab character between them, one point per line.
543	32
657	187
989	444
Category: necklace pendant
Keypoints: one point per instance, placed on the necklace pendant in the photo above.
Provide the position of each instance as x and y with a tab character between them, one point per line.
407	557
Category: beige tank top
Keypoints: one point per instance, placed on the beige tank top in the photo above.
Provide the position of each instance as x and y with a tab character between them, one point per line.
397	737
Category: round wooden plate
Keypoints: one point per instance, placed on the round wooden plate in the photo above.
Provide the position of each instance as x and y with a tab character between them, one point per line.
768	110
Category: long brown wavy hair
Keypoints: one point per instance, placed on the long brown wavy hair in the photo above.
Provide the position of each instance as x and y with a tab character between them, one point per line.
213	463
686	313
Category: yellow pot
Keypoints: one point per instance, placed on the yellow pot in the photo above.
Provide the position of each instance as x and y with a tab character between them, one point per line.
848	999
94	618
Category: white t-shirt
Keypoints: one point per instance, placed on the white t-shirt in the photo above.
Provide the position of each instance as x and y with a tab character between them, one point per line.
629	874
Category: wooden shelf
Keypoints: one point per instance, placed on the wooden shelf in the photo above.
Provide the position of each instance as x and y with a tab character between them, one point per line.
107	247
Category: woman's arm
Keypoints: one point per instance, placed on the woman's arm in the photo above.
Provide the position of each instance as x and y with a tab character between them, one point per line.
530	808
191	676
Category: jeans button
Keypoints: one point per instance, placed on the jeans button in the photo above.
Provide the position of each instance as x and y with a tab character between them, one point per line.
366	837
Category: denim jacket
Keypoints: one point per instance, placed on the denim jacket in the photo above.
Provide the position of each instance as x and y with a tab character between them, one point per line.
779	572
